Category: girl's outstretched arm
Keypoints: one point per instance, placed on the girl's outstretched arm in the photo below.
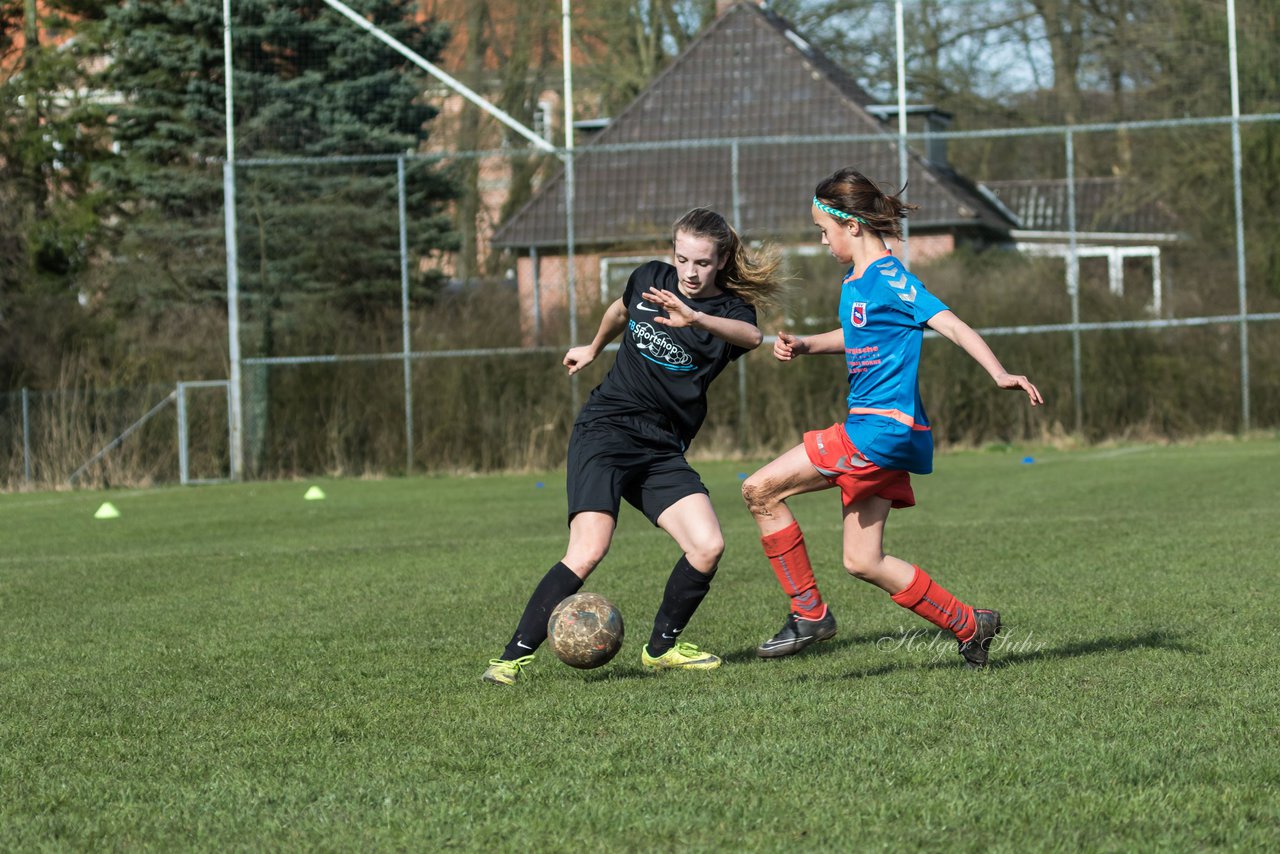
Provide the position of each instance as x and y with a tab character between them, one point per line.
947	324
787	346
611	325
737	332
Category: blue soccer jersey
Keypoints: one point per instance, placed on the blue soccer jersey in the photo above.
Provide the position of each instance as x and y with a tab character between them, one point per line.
883	312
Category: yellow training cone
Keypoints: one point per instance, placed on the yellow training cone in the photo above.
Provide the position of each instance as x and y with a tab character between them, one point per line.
315	493
107	511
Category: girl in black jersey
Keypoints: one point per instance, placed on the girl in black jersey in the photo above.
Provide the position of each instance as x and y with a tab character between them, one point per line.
683	325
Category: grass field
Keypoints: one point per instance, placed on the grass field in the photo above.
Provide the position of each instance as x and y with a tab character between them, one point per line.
232	667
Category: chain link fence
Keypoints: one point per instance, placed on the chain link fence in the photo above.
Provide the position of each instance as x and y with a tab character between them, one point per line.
407	311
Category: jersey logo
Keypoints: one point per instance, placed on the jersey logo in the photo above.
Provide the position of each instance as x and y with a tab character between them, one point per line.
657	346
859	314
901	285
645	307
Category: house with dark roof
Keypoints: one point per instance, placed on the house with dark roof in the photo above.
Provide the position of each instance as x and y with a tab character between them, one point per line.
746	121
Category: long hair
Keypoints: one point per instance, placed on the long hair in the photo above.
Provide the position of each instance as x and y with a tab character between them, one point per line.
750	275
857	195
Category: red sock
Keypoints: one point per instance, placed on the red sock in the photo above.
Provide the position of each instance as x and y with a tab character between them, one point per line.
931	600
790	561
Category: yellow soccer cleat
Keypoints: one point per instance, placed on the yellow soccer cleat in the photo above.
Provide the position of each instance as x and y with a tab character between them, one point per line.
502	672
682	656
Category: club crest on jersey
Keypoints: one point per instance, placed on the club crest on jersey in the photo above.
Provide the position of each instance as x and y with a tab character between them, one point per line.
859	314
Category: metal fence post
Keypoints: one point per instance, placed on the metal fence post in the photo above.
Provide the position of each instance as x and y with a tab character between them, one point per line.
1238	193
404	318
904	168
184	459
233	262
26	435
570	192
736	191
1073	284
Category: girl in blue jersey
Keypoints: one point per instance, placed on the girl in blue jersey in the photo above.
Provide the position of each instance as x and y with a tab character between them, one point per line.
885	438
681	325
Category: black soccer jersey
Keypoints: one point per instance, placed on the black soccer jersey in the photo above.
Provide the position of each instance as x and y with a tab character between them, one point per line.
661	371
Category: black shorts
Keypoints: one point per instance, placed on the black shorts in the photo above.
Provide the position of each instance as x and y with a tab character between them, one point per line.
627	456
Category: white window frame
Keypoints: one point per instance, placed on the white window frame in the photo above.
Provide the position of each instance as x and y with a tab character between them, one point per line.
1115	256
630	262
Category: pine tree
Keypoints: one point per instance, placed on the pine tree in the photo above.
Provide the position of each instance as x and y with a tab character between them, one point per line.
51	134
319	246
307	84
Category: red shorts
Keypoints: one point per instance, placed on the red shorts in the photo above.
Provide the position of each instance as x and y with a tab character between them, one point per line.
836	459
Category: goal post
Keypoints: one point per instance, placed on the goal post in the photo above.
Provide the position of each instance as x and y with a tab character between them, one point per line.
438	73
184	430
234	389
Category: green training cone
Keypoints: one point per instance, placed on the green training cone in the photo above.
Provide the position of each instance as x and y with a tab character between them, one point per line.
315	493
107	511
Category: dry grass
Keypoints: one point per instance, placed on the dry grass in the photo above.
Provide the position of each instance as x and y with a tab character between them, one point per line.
514	412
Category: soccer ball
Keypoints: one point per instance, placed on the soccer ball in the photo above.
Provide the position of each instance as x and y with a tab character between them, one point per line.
585	630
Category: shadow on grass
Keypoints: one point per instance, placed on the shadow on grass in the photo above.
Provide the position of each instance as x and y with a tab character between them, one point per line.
950	661
822	648
1159	639
741	656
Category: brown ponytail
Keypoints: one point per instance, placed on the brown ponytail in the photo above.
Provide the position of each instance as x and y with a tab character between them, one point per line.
851	192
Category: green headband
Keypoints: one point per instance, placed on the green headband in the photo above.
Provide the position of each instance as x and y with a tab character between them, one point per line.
836	212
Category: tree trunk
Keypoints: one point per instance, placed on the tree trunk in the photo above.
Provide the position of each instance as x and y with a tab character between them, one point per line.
469	140
1062	24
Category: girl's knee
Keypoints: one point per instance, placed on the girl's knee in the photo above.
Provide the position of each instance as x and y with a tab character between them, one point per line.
583	560
759	495
705	554
861	566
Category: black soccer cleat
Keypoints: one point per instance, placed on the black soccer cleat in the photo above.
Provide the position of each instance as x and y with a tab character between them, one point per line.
974	650
796	634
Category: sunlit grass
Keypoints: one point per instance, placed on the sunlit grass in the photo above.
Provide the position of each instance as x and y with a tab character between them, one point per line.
235	667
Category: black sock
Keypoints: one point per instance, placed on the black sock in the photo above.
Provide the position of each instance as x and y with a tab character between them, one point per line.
557	585
685	591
